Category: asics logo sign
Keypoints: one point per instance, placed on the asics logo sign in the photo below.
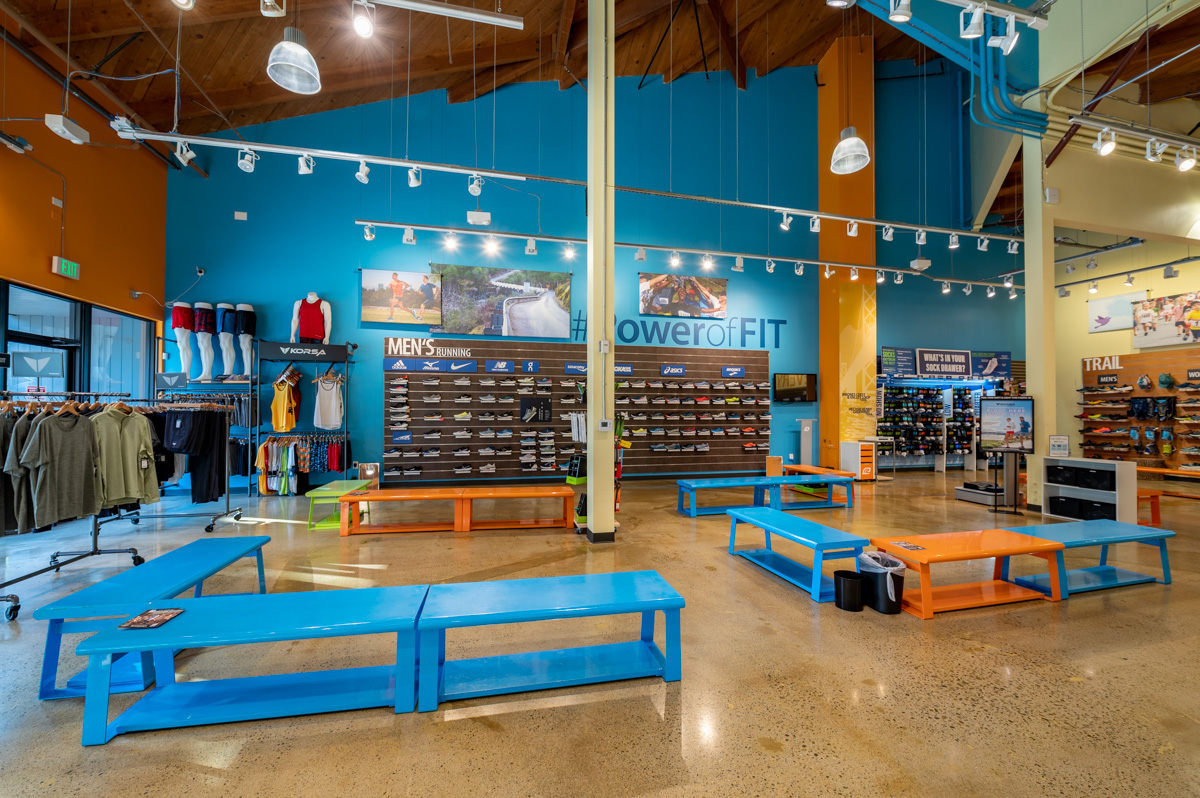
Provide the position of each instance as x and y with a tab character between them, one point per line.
671	371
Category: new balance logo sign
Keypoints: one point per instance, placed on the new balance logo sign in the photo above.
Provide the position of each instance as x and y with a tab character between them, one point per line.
292	350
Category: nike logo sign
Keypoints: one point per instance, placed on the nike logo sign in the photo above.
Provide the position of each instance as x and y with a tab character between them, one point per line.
457	366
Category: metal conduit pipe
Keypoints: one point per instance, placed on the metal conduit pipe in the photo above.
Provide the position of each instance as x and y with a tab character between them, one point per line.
976	120
1035	117
59	78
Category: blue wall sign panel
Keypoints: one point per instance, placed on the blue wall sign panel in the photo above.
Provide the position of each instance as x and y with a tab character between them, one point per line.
418	364
401	436
672	370
733	371
530	367
500	366
943	363
575	368
898	362
623	369
991	365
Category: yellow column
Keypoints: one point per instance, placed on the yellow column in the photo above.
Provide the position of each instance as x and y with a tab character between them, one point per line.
1040	358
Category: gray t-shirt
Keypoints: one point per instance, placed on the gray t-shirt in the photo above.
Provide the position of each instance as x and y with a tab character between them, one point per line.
22	495
61	456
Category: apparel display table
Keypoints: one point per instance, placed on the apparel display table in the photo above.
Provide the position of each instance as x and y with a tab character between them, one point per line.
129	593
520	600
1082	534
766	490
329	493
237	620
826	542
957	546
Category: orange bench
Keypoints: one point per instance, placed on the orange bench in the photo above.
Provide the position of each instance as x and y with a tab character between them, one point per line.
466	521
1151	497
792	468
352	523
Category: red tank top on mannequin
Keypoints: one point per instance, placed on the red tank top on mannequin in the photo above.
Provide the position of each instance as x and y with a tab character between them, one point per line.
312	320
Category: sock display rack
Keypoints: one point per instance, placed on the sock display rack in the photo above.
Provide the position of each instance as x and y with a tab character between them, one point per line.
917	431
469	424
1142	407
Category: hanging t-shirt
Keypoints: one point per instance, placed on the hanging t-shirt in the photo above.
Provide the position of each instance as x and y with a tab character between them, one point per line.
283	408
61	456
327	412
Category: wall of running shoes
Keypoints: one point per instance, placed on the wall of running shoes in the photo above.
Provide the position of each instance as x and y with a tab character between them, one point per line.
912	419
1143	407
470	410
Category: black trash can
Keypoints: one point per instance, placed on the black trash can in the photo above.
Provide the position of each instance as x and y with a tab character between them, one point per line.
848	590
875	592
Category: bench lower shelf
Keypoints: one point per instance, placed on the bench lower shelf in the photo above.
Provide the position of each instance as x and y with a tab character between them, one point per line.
789	570
969	595
1079	580
256	697
543	670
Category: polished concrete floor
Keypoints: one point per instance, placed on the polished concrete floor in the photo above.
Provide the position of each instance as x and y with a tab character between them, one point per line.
780	696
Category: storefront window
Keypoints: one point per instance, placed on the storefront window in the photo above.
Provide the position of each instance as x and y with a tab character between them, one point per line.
119	347
43	315
22	384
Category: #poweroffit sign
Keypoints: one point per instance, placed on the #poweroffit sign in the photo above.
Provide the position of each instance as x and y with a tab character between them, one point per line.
943	363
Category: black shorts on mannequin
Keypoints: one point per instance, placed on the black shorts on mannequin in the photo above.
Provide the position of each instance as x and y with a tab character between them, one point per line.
245	322
305	340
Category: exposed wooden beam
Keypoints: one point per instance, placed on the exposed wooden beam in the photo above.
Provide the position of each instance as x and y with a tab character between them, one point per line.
360	77
1170	88
810	47
1165	43
488	80
562	38
737	66
630	15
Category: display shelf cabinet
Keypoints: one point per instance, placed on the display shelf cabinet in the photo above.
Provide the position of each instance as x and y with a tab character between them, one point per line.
1086	489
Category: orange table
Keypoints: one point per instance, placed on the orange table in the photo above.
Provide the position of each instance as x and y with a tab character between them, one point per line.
1151	497
921	551
352	523
466	522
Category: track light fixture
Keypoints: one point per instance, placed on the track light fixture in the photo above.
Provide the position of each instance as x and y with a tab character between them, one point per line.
706	261
967	289
828	271
770	267
898	278
184	5
1070	268
991	291
474	185
450	242
880	276
530	246
982	244
853	272
675	260
640	255
362	174
852	229
491	246
900	10
1012	293
920	237
1008	281
1170	272
1129	281
363	18
569	252
739	264
1014	247
1064	292
1094	287
814	224
785	223
953	241
945	287
1091	264
246	159
184	153
1185	159
369	232
970	23
1106	142
888	232
1155	150
410	237
799	269
305	164
1008	41
414	177
840	3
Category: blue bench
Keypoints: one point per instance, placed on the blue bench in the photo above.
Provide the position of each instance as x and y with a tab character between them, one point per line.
129	593
1082	534
767	491
519	600
238	620
826	542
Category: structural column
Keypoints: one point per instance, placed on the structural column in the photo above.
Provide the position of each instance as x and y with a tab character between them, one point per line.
600	267
1041	362
847	311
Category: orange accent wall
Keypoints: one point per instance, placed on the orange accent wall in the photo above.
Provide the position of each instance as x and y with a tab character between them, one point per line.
115	202
846	97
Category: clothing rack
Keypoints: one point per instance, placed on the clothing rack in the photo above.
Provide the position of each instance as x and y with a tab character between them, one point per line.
38	394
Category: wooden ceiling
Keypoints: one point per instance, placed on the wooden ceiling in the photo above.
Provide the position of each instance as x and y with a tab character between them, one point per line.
224	46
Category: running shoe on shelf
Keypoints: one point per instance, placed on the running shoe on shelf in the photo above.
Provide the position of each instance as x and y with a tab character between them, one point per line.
462	469
431	381
463	416
487	468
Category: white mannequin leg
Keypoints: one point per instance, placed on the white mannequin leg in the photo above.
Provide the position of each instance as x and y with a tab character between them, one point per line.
204	344
183	338
247	344
228	356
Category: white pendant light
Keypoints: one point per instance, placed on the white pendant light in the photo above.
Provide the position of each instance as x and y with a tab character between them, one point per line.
1129	281
246	159
1094	287
828	271
1008	41
967	289
888	232
707	261
850	155
852	229
1155	150
292	66
799	269
1012	293
1008	281
785	223
369	232
770	264
530	246
901	11
675	259
853	272
569	252
1013	247
814	224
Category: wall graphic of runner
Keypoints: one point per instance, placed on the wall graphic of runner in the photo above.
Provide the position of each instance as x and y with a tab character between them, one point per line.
681	295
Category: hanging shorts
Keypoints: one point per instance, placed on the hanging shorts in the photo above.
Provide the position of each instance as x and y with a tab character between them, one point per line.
182	318
225	320
245	323
206	320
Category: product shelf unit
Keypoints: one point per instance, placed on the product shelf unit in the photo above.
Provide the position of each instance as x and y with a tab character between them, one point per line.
927	423
1086	489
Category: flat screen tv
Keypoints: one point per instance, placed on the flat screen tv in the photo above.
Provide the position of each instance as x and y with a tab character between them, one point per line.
1006	424
795	387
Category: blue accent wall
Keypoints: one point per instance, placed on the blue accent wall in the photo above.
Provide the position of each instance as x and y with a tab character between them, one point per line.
693	136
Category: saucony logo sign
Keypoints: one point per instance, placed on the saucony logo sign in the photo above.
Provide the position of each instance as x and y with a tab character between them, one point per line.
293	350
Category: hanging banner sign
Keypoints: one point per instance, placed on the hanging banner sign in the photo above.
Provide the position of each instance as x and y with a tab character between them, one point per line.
898	362
943	363
733	371
991	365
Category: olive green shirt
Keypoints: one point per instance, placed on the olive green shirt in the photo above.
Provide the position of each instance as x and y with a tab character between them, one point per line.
126	461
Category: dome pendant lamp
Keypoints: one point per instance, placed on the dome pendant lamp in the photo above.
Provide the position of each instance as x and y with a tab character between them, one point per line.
850	155
291	65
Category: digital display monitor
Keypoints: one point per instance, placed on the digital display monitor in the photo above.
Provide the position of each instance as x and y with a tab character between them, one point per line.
1006	424
795	387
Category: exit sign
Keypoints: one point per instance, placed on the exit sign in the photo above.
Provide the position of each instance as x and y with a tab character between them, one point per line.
64	267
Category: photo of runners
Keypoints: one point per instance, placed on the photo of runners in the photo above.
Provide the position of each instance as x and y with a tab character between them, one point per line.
1006	424
401	297
480	300
1166	321
681	295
